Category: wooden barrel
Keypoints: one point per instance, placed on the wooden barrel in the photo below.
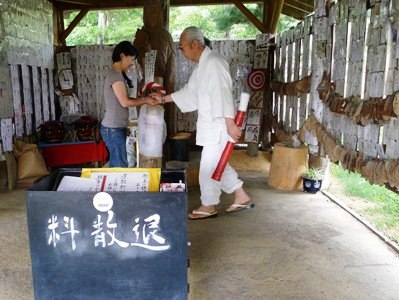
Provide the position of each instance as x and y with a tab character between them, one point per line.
180	146
150	161
288	164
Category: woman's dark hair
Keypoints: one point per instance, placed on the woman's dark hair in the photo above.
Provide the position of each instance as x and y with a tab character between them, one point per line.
127	79
126	48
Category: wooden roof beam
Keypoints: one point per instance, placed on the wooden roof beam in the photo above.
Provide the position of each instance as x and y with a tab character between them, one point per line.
81	2
121	4
208	2
64	34
96	2
273	10
258	24
301	10
298	9
294	13
301	5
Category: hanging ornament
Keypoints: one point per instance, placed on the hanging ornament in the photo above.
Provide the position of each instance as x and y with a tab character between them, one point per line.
257	79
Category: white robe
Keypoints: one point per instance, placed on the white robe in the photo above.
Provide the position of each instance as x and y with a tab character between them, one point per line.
209	91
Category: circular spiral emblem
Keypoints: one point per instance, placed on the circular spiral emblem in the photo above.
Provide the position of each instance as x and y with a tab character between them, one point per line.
256	79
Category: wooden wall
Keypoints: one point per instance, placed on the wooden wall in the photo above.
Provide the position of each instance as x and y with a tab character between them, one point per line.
348	108
352	53
26	68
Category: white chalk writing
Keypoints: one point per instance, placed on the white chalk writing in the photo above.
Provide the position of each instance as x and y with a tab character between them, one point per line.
53	227
146	232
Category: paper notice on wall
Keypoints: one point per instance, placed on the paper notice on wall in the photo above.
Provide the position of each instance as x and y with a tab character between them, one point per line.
252	134
262	40
27	90
63	60
45	95
16	88
254	116
6	134
28	123
6	105
149	68
65	79
51	93
19	123
261	59
37	97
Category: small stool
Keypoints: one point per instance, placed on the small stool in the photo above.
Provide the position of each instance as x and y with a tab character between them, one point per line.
287	166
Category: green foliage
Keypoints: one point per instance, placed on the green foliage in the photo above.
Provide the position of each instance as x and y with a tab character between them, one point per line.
120	25
385	209
182	17
355	185
285	23
230	20
216	21
313	174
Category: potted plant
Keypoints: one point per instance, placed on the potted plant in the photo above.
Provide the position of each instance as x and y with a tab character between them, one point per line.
312	180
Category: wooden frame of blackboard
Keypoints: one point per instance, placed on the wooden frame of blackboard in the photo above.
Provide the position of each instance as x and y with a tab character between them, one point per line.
111	272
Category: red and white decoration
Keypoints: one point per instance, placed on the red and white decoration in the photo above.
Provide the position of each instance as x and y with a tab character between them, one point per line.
257	79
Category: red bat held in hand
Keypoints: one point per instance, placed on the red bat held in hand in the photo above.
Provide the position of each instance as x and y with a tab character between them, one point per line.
228	149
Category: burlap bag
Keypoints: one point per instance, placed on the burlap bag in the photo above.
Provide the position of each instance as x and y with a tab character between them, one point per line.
30	161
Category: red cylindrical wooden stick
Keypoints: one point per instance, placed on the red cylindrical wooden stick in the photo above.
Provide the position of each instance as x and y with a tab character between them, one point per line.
228	149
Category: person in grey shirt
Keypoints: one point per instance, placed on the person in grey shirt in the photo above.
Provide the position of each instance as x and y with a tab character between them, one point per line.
115	121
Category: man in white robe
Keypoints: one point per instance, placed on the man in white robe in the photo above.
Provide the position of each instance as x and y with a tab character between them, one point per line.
209	91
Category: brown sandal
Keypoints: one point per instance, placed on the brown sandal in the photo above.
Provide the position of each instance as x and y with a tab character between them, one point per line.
199	215
237	207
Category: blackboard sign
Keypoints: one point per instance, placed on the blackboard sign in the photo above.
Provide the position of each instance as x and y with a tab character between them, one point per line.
127	245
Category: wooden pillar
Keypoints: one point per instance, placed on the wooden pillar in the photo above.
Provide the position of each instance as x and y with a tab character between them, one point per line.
272	11
267	104
271	15
165	4
58	25
170	108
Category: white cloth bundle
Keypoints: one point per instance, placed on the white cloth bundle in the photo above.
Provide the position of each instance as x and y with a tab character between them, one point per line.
152	130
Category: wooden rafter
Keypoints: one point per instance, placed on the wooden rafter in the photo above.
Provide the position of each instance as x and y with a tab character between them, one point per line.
258	24
271	10
64	34
294	8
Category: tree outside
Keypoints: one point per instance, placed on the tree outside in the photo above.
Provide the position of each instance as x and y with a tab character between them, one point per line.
104	27
216	21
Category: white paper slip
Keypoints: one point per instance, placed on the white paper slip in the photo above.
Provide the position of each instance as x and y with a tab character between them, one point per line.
77	184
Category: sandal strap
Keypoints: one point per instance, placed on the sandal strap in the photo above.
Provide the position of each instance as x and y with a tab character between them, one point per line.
205	213
239	205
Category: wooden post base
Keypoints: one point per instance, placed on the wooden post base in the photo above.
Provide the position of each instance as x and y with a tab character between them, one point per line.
287	166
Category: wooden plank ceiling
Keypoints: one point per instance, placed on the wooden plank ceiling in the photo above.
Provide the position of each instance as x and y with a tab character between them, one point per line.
297	9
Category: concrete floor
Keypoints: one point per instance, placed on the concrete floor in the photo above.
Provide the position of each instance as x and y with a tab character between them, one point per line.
292	245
